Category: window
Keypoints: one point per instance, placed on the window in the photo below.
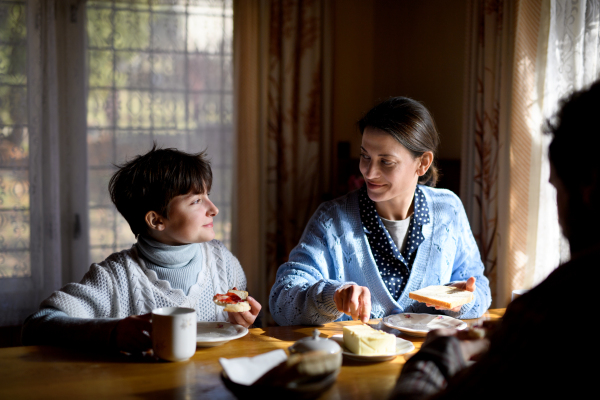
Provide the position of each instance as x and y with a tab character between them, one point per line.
14	143
157	73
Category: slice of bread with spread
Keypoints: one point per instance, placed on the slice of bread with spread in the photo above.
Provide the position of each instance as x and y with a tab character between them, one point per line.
233	301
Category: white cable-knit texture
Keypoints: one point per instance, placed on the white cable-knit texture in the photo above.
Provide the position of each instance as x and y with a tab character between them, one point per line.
121	286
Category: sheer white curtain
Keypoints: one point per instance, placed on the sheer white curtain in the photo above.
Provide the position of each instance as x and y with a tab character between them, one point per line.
30	239
568	60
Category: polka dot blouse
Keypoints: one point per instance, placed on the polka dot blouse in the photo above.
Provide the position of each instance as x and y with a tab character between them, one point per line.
394	266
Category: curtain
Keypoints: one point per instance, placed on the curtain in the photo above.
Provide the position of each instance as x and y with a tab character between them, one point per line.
298	147
31	247
485	162
249	60
569	59
524	57
286	171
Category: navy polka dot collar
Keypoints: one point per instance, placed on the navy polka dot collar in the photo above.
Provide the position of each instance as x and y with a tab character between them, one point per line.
394	266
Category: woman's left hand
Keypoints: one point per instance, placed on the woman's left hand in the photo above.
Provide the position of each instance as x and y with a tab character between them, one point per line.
246	318
464	285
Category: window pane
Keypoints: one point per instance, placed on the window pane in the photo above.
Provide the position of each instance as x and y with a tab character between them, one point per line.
98	27
130	30
132	70
98	181
168	110
100	107
169	31
129	143
103	221
206	72
205	34
169	71
134	109
101	68
100	147
15	260
158	72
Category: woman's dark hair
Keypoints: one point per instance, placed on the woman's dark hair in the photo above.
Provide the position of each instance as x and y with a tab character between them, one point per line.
150	181
411	124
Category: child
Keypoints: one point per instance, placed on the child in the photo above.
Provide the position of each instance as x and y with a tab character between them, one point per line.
176	262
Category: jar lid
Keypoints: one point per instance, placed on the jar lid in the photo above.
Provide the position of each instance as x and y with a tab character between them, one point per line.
315	343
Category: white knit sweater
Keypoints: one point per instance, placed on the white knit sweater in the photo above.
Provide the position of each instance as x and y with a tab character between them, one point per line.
122	285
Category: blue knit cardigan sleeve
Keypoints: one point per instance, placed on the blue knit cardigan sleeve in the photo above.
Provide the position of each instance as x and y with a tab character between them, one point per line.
468	264
305	285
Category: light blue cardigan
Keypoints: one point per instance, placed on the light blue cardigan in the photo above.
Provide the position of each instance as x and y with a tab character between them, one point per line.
334	250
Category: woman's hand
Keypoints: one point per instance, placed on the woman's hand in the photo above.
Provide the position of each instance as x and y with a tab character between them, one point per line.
354	301
132	334
246	318
464	285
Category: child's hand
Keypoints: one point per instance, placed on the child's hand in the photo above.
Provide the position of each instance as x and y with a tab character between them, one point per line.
246	318
132	334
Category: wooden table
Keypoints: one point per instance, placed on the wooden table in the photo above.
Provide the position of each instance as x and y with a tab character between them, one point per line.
48	372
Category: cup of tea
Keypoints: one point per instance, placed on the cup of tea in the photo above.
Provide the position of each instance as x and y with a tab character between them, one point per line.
174	333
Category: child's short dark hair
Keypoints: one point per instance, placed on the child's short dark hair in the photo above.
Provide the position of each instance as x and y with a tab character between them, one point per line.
150	181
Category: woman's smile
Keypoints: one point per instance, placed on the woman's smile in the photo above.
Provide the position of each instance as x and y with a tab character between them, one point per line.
374	185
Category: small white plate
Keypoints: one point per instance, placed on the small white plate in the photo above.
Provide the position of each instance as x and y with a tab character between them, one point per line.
402	347
210	334
419	324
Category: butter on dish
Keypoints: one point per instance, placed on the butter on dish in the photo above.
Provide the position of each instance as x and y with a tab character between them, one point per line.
364	340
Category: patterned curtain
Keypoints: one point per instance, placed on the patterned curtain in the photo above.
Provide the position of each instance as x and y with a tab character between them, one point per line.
282	84
488	55
524	56
297	145
568	55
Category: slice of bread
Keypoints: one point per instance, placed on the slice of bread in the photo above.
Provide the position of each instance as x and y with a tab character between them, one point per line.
239	307
242	294
442	296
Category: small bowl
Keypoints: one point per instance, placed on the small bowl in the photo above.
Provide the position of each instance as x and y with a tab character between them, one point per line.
315	343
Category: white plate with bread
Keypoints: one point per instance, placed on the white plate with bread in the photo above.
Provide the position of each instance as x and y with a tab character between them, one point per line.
402	347
414	324
210	334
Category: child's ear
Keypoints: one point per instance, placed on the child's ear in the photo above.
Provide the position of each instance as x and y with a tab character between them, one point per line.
154	221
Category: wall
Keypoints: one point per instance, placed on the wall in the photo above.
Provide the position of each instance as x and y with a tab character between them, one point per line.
353	73
411	48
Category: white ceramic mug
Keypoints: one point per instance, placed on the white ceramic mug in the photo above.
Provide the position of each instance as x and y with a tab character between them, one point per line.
174	333
518	293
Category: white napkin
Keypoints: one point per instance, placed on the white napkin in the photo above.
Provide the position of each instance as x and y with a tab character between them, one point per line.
247	370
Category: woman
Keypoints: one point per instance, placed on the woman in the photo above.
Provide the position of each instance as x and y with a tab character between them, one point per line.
362	254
